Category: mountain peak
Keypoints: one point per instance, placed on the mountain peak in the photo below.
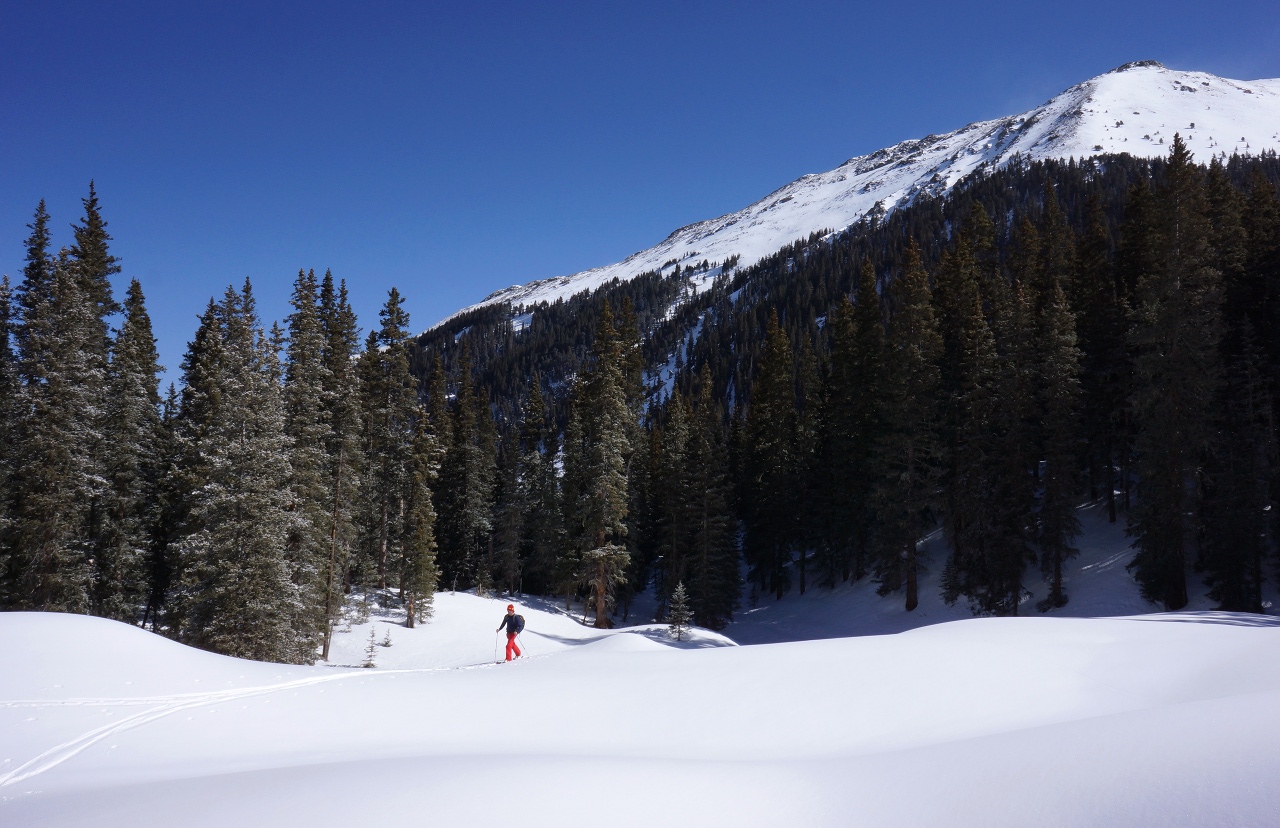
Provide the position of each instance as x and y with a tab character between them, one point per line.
1134	109
1138	64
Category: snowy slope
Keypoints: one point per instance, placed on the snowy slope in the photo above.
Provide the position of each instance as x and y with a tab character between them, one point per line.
1164	721
1135	109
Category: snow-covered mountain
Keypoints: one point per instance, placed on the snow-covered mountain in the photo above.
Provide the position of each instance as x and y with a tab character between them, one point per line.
1135	109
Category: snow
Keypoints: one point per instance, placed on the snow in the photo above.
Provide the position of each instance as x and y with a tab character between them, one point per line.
1152	720
1096	582
1135	109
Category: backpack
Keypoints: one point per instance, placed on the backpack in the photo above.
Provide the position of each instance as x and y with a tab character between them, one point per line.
519	624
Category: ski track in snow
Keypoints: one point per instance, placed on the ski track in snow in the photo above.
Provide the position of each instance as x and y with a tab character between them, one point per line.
168	705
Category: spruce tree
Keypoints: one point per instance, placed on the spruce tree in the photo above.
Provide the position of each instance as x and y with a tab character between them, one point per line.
597	449
419	575
1104	373
712	562
907	449
538	495
1239	522
673	494
60	484
388	409
132	465
679	616
9	412
770	462
236	594
1059	405
1176	337
341	402
307	424
467	481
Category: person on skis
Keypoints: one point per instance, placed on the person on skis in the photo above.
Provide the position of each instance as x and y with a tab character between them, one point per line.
514	625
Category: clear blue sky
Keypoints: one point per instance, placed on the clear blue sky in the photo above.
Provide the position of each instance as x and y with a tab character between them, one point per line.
453	149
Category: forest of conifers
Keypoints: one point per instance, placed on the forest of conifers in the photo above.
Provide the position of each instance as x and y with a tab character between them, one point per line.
1048	335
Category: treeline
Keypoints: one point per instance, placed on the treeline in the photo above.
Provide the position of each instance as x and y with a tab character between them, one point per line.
1040	363
235	513
1047	335
293	466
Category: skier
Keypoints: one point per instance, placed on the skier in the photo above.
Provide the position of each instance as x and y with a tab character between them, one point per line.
515	625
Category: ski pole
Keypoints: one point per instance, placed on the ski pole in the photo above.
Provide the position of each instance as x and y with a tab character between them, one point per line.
523	648
495	646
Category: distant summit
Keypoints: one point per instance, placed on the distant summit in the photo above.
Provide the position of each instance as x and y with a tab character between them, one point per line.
1135	109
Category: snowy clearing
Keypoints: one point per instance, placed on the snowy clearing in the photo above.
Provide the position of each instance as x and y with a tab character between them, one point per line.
1021	721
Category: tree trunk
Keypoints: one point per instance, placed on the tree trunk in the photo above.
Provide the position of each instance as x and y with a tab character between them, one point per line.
913	597
602	621
333	560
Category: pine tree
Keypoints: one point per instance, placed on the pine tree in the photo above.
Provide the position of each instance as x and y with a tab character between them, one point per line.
94	263
679	617
467	481
10	409
508	522
1176	338
673	494
808	534
1104	360
388	409
236	594
307	424
58	438
907	449
341	401
538	494
132	464
771	465
714	581
1239	529
419	575
597	449
1059	404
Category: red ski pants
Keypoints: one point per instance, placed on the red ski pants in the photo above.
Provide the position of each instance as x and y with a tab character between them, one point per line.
511	646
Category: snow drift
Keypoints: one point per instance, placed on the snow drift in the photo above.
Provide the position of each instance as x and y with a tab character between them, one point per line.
1167	720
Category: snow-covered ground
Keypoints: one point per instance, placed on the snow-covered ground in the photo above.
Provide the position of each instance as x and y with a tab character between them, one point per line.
1096	581
1135	109
1159	720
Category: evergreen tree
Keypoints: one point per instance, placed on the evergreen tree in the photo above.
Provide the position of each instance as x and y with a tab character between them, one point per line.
679	617
9	412
1059	404
907	449
388	408
673	495
1176	338
419	575
1104	360
597	449
712	563
132	465
1239	530
538	494
58	435
770	463
341	402
467	485
94	263
236	594
508	523
307	424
